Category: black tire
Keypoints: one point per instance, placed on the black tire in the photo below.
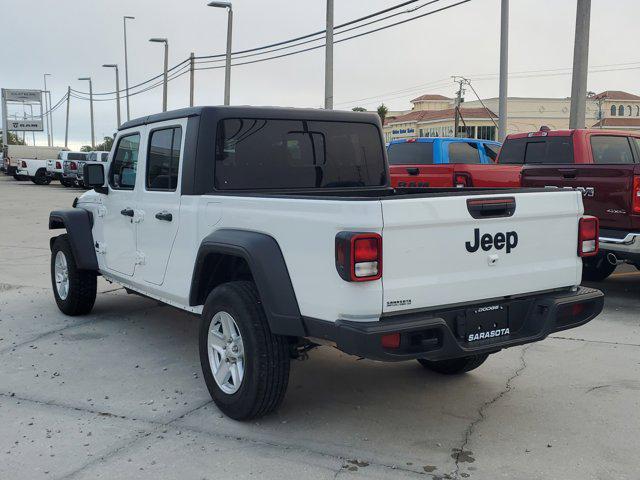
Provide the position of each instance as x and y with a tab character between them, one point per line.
266	356
41	178
454	366
82	283
66	183
597	269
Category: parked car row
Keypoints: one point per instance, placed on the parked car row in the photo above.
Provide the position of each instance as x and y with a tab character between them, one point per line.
42	165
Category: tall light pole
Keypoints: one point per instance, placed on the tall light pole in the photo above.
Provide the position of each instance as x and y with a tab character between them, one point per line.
580	65
126	63
93	135
46	108
115	66
328	60
166	69
227	68
504	70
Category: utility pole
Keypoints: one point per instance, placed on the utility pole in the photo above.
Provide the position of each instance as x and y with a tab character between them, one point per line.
33	134
227	67
580	65
456	122
504	70
126	63
166	69
46	109
192	61
93	135
115	67
66	129
328	61
51	116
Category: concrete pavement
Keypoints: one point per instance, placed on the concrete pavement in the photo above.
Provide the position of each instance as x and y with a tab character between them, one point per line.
118	394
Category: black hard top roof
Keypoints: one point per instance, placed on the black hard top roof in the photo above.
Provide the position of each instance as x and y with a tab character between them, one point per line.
256	112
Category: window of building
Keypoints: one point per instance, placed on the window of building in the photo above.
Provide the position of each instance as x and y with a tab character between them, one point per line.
621	111
467	132
610	149
487	133
614	110
463	152
164	159
637	110
122	175
629	110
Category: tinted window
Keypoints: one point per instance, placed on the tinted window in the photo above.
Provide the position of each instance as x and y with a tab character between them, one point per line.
537	150
463	152
76	156
92	157
491	151
271	154
415	153
122	174
608	149
104	157
164	159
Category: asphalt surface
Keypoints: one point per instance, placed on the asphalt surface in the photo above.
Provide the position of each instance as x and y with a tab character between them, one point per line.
118	394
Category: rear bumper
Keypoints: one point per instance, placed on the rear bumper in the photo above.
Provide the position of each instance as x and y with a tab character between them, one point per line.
441	335
624	245
11	170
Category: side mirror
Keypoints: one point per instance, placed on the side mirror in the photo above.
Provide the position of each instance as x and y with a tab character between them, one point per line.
94	177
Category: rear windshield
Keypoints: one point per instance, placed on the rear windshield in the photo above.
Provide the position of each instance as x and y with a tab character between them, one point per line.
537	150
415	153
295	154
76	156
464	152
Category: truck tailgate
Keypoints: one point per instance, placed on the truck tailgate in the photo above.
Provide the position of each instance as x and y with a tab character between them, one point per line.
607	189
436	253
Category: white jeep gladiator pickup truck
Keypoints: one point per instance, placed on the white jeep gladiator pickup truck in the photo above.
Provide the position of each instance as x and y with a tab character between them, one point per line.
278	228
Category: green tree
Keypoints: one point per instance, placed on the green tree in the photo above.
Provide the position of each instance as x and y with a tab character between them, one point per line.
382	111
359	109
13	139
105	146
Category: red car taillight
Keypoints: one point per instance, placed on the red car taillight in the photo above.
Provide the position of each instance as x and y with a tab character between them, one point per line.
461	180
635	201
359	256
73	166
588	232
58	166
24	164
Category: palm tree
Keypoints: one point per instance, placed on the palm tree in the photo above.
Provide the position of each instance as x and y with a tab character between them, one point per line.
382	111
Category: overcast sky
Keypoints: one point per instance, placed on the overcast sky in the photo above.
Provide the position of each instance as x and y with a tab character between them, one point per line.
73	38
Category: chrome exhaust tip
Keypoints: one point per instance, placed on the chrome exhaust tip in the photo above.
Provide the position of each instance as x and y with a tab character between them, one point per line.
613	260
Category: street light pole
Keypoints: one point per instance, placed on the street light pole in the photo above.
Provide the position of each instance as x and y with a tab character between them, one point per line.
328	62
227	68
126	63
115	66
46	109
93	135
580	66
504	70
66	129
166	69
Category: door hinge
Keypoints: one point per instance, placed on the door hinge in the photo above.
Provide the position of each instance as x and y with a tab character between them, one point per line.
102	211
141	259
101	248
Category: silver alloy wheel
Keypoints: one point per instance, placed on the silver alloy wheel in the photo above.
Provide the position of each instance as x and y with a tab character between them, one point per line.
61	272
226	352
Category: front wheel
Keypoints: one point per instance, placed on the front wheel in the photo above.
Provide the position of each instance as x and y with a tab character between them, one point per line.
73	289
597	269
245	366
454	366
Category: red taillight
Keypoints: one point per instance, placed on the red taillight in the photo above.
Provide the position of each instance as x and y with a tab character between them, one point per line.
359	256
58	166
635	202
588	232
73	166
391	340
461	180
411	140
24	164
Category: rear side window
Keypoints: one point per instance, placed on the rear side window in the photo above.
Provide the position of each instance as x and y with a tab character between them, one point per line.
122	174
464	152
491	151
104	157
76	156
610	149
294	154
415	153
164	159
537	150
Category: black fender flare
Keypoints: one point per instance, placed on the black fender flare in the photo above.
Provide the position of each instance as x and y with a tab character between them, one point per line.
78	223
268	268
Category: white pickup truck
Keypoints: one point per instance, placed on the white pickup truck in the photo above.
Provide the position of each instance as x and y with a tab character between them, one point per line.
279	228
26	162
55	169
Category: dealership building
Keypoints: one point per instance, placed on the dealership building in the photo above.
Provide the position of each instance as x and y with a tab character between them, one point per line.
434	115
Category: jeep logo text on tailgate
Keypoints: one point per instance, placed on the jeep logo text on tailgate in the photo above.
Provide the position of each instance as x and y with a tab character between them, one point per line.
488	241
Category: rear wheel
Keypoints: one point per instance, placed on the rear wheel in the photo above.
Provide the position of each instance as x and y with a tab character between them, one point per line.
597	269
454	366
73	289
41	178
245	366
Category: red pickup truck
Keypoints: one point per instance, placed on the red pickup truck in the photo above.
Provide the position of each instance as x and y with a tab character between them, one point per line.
605	166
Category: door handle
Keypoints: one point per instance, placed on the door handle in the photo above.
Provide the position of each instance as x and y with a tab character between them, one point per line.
413	171
127	212
166	216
